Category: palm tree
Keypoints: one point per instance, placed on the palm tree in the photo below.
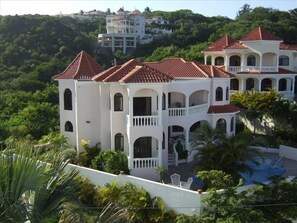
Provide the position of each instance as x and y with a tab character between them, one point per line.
216	151
33	191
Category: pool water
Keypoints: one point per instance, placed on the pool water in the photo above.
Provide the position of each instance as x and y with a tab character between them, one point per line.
263	172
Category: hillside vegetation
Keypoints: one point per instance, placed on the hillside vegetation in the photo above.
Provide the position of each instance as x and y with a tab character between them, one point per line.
33	48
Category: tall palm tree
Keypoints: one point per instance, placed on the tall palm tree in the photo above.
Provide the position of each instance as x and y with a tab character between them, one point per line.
220	152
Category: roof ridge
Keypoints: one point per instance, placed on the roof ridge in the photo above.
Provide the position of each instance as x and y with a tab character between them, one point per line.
123	66
199	68
136	69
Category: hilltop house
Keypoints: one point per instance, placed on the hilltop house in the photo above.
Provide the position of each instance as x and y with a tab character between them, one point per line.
259	61
124	31
142	108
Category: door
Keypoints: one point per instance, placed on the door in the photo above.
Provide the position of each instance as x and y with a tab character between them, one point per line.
143	147
142	106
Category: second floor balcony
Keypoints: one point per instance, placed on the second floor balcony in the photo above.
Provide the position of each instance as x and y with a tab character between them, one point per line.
235	69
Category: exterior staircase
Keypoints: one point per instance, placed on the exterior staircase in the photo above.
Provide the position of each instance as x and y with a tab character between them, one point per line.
171	160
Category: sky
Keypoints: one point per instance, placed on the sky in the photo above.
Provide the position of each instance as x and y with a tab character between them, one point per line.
205	7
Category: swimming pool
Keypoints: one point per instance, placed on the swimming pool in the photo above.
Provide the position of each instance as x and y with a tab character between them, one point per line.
263	172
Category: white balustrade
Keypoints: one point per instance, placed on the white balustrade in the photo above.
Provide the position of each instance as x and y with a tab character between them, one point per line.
145	120
145	162
177	111
252	69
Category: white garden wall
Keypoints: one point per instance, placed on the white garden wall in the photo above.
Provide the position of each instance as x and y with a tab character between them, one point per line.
181	200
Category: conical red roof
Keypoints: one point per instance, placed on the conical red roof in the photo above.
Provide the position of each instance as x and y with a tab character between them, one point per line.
82	67
221	43
260	34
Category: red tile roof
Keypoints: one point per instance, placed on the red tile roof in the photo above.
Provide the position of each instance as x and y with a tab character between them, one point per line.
287	47
217	109
280	71
260	34
82	67
221	43
236	45
179	68
132	71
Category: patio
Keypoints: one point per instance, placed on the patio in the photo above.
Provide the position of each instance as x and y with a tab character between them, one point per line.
185	170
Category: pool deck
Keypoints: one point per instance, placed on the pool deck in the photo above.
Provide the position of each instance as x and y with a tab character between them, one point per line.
186	170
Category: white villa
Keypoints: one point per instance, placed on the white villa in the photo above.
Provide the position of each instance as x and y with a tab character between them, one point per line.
141	108
124	31
259	61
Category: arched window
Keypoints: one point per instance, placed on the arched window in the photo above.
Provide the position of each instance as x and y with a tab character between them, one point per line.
68	127
219	61
283	60
67	99
234	84
251	60
119	142
221	124
227	93
250	84
118	102
232	125
282	84
219	94
234	61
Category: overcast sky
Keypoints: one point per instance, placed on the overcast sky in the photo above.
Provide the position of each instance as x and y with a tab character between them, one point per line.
205	7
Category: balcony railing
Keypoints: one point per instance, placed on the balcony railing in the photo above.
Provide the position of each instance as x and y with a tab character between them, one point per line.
177	111
186	111
197	108
145	120
252	69
145	162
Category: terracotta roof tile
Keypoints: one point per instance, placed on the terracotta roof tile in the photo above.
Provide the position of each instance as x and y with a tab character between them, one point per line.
280	71
221	43
236	45
287	47
217	109
104	74
145	74
260	34
133	71
82	67
179	68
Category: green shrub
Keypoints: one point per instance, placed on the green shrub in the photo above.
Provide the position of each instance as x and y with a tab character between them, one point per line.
111	162
85	158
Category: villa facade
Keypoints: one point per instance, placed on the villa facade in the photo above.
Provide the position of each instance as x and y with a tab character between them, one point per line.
124	31
143	108
259	61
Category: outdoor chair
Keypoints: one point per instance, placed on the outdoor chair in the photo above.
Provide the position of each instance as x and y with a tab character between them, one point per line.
187	185
175	179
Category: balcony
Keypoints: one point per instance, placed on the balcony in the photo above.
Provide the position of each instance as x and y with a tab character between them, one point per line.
143	120
139	163
236	69
176	112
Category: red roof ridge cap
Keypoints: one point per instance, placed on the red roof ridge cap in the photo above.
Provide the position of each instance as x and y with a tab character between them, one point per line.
131	73
200	69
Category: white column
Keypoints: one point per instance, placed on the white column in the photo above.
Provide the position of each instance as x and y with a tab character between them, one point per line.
187	105
160	151
131	156
260	65
277	62
160	97
205	59
187	139
227	63
277	84
243	64
130	104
